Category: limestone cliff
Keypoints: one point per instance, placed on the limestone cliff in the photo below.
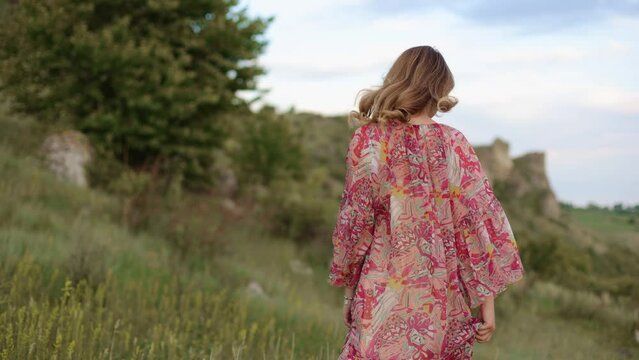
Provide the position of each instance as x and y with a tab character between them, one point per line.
522	178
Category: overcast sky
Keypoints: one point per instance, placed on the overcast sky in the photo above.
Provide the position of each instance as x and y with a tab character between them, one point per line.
553	76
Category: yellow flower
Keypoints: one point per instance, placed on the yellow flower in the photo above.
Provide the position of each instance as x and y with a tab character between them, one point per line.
395	283
454	190
398	191
438	197
426	307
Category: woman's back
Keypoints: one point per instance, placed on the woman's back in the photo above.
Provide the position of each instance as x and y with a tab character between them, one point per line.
422	238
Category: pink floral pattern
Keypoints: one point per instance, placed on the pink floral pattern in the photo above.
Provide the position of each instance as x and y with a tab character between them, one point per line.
422	238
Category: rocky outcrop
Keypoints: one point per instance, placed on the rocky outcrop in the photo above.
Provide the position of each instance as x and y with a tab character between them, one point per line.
524	176
255	289
299	267
495	160
67	153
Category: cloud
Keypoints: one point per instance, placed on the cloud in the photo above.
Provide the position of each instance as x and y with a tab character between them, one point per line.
586	155
537	15
296	70
597	173
614	99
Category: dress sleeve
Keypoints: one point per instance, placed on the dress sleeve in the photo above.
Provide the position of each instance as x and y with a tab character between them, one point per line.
487	252
355	223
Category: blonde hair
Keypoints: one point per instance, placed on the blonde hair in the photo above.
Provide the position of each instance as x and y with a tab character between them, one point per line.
419	80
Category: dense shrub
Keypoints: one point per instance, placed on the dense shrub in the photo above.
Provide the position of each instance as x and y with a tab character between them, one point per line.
300	211
267	146
551	258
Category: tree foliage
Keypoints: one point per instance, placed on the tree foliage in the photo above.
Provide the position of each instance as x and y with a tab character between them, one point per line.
143	78
269	147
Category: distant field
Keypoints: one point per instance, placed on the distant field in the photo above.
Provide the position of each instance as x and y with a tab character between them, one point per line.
619	228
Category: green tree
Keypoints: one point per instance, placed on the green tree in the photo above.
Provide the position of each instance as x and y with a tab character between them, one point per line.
269	147
143	78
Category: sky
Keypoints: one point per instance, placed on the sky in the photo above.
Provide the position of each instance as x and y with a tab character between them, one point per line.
554	76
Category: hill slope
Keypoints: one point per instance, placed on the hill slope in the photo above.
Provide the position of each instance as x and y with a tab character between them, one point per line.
76	283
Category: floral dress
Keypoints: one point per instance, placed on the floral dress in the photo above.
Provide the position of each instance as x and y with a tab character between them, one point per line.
422	238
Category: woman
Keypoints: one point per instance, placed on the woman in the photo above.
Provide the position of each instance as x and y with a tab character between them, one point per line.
420	237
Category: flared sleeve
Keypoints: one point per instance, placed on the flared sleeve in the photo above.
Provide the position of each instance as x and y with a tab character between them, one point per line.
355	223
487	252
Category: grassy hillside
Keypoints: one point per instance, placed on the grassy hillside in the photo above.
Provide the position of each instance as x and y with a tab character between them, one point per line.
616	227
76	283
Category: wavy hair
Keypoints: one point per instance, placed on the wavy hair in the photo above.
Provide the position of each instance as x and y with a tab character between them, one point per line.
419	81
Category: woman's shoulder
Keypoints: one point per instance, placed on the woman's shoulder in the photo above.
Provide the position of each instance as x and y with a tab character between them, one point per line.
449	128
370	130
375	129
455	135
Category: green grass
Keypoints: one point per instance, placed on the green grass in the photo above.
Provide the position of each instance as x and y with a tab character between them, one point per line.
159	320
606	220
549	337
618	228
547	321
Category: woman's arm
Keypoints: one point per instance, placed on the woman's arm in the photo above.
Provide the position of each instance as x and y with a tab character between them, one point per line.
349	292
355	223
487	252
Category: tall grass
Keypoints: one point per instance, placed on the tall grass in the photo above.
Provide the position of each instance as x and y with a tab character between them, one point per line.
132	320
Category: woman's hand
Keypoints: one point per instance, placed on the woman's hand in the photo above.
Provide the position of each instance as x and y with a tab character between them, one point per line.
346	309
487	315
346	313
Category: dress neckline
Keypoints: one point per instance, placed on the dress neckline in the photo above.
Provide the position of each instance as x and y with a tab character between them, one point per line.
397	121
433	123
